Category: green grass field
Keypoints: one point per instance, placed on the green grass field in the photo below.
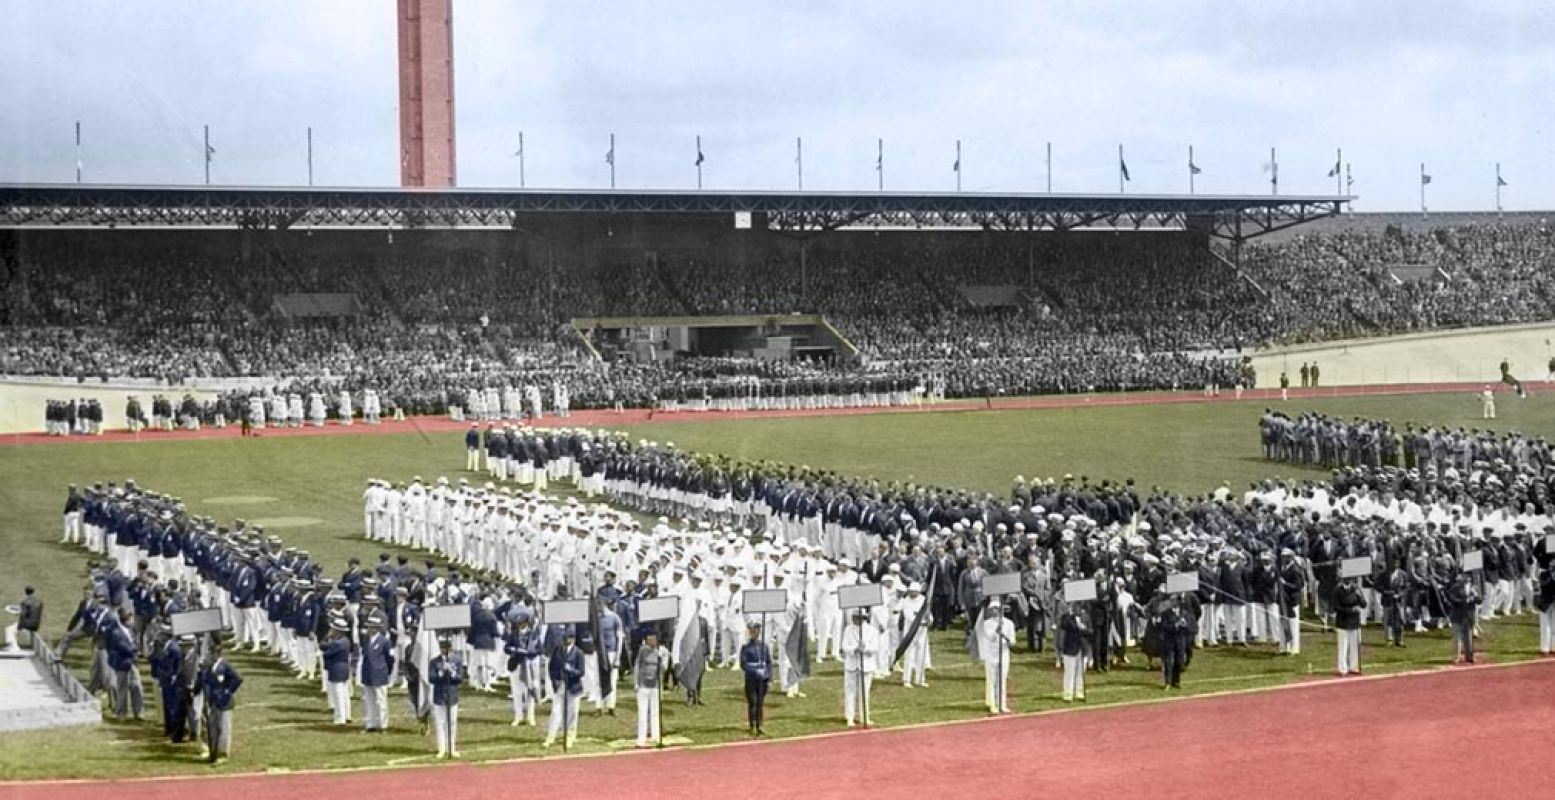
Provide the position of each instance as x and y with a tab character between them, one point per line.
309	490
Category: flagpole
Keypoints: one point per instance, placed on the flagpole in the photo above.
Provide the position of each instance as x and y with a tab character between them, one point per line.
1338	179
612	161
1120	168
1348	182
799	159
78	151
958	166
1190	169
1049	167
1274	173
1422	189
521	176
880	163
207	155
310	155
1498	189
699	161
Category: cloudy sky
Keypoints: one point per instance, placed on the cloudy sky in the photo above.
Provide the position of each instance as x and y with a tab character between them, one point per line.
1459	86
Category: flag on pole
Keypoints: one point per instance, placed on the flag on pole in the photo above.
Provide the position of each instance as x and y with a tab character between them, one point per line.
209	152
1194	169
956	167
917	620
879	161
610	155
1500	181
602	657
1334	171
1425	180
1123	167
700	157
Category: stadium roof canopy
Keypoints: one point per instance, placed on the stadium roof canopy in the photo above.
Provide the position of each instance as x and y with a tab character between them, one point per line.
1231	217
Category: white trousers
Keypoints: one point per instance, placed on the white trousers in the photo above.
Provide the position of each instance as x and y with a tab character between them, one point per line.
1349	651
647	716
855	706
1293	634
571	702
1074	677
445	728
375	706
1547	630
915	660
72	527
340	700
525	690
996	684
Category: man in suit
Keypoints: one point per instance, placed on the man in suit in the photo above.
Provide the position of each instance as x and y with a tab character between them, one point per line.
377	666
166	663
122	650
647	677
1347	622
446	671
756	663
336	654
221	684
566	670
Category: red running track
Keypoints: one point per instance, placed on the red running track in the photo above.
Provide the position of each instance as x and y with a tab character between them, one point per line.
595	418
1470	732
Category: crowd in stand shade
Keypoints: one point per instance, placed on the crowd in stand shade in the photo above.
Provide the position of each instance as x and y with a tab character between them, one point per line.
436	319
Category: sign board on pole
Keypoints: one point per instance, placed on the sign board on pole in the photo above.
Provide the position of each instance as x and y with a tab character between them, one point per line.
1001	584
859	595
1473	560
201	620
765	601
1355	567
1080	591
564	612
445	618
656	609
1182	582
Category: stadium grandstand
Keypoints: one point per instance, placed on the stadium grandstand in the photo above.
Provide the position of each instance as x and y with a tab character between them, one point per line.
426	295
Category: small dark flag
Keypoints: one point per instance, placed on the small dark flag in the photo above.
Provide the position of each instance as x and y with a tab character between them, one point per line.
1425	180
1334	171
1123	167
700	158
956	167
1500	181
610	156
1193	168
